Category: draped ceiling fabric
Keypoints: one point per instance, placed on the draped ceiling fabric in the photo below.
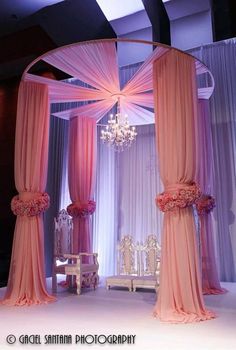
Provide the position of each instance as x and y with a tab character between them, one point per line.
94	63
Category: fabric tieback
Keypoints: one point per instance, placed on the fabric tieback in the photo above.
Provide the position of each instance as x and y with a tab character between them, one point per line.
205	204
178	196
81	209
30	203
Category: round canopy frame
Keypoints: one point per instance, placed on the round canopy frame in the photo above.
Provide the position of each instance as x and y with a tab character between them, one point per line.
95	63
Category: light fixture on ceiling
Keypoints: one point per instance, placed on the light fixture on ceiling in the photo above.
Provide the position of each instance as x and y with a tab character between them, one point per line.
118	133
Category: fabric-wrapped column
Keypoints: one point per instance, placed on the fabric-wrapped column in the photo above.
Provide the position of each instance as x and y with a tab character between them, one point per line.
26	283
82	175
175	97
210	279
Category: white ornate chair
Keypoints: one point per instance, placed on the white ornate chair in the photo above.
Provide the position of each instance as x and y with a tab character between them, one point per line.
86	274
149	257
127	264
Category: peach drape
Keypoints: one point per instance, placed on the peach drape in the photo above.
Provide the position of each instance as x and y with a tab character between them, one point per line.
82	175
26	283
210	279
95	63
175	97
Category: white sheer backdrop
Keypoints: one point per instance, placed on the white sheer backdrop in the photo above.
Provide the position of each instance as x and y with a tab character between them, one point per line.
139	182
220	57
127	183
105	217
56	174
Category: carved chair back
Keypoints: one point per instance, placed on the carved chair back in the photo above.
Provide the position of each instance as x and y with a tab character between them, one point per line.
127	257
63	235
150	256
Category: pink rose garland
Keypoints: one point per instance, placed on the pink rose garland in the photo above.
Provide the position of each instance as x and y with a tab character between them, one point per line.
178	198
31	207
81	210
205	204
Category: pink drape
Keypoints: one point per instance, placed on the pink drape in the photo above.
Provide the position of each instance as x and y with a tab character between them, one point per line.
210	279
59	91
95	110
95	63
82	174
175	95
26	283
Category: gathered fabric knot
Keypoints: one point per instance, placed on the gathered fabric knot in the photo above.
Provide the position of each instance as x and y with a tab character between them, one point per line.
30	203
177	196
81	209
205	204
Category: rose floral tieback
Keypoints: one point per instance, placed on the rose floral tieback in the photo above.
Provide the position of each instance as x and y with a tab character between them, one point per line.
205	204
81	209
178	196
30	207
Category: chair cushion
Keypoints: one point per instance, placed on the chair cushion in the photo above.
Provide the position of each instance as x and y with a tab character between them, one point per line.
89	267
75	268
119	281
145	281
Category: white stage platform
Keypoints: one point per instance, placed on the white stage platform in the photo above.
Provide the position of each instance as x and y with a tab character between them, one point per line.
118	312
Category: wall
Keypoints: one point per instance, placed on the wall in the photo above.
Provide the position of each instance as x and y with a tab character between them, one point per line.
191	31
8	103
129	53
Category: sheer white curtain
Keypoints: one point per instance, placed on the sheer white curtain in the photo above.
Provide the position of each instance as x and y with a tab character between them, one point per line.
105	216
127	184
56	175
139	182
220	58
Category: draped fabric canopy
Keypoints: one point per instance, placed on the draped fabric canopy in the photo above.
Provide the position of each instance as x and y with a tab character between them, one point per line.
96	63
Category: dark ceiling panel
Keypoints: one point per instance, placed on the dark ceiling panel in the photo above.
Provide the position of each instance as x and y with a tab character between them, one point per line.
224	19
53	26
159	19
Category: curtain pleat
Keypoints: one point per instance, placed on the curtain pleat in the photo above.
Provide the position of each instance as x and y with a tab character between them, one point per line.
175	96
26	283
82	176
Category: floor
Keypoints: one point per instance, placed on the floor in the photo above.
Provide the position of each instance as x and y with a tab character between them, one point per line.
116	312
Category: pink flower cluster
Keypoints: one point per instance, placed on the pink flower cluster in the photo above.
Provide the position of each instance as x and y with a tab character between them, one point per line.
205	204
179	198
81	210
30	207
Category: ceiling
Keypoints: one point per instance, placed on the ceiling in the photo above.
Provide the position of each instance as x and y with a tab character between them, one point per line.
14	11
62	20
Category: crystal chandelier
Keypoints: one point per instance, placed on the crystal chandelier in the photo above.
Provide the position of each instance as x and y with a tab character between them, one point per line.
118	133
